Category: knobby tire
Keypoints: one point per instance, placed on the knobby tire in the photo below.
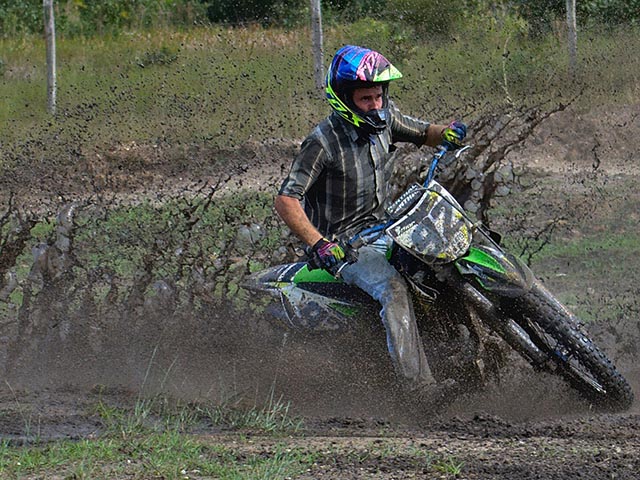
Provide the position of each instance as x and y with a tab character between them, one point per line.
552	339
567	350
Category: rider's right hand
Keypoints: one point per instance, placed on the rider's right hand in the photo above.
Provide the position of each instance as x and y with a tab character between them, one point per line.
326	254
453	135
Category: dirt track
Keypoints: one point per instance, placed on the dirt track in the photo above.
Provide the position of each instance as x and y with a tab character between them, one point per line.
551	445
527	428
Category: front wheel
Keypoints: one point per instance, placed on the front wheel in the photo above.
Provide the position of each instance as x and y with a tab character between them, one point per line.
551	338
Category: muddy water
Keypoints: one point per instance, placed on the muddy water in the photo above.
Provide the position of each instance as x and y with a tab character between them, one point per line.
529	426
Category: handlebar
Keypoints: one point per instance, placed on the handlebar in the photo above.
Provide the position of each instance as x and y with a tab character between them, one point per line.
435	160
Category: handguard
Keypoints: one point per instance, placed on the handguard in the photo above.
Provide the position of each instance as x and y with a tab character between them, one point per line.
405	201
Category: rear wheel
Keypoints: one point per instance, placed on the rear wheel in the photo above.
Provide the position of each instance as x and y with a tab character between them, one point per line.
551	338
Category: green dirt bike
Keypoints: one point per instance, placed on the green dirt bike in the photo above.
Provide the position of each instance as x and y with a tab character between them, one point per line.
471	297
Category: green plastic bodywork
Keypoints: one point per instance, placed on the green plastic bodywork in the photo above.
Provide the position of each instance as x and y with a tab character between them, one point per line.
483	259
318	275
476	256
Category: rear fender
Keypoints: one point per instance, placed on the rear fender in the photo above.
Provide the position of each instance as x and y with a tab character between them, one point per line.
496	271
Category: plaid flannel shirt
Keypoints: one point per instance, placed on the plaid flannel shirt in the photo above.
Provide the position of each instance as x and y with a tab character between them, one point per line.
343	177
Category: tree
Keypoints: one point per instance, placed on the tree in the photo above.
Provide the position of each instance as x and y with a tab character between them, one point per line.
267	12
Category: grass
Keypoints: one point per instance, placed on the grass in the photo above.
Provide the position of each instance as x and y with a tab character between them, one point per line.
223	87
449	466
160	438
153	439
217	87
162	455
583	271
590	258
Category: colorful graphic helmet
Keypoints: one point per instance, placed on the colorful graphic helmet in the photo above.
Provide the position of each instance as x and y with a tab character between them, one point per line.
356	67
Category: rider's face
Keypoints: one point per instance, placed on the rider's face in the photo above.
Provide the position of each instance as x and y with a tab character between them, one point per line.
367	99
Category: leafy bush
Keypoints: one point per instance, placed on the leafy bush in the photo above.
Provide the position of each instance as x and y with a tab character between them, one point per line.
336	11
611	12
422	17
542	13
87	17
427	16
20	16
266	12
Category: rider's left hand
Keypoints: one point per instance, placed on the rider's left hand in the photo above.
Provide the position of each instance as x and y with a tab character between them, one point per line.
453	135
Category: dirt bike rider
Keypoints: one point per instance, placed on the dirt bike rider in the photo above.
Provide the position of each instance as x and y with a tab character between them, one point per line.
339	184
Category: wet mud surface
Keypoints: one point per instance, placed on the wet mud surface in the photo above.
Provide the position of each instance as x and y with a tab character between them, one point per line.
566	441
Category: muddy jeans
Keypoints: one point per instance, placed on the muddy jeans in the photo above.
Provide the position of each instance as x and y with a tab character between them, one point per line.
375	275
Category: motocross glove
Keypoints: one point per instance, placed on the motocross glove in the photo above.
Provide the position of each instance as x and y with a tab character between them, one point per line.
326	255
453	135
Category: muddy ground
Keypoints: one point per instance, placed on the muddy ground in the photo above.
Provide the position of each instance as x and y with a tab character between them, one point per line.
528	427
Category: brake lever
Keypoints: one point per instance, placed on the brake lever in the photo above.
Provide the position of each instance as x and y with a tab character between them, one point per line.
456	155
338	271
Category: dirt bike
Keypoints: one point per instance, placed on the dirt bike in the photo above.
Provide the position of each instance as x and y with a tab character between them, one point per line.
472	298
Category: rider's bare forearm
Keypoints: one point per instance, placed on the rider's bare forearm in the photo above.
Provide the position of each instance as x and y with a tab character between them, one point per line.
292	213
434	135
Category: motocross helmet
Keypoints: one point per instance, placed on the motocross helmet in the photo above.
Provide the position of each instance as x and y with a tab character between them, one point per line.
357	67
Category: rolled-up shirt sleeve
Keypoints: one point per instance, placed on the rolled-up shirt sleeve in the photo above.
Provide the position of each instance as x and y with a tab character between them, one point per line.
305	169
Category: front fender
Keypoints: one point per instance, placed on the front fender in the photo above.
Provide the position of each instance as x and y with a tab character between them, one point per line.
496	271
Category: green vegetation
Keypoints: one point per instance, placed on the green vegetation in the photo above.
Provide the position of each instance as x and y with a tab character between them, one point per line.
135	244
581	263
449	466
583	271
85	17
82	17
154	439
159	438
206	86
220	87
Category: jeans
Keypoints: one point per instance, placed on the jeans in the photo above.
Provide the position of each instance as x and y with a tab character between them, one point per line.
377	277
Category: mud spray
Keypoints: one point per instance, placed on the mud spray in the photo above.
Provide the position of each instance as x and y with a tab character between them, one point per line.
223	357
124	292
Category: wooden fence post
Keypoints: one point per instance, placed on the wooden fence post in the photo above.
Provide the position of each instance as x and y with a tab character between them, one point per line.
50	40
572	30
316	43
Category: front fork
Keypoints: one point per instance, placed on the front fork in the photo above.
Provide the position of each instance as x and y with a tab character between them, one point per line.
500	322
